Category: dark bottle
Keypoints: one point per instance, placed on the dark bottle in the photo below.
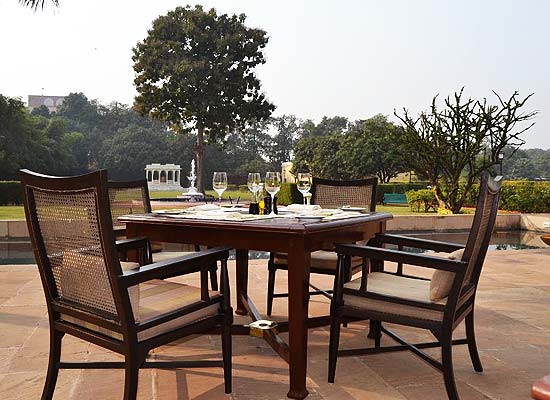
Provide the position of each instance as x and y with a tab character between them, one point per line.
275	205
254	208
267	205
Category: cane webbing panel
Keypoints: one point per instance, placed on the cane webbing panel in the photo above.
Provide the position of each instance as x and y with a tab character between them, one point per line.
68	224
126	201
479	234
328	196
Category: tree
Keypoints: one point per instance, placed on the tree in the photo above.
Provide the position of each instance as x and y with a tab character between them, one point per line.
130	149
317	155
195	71
283	142
453	145
371	148
327	126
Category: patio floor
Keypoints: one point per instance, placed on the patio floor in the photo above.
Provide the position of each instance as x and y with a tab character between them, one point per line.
513	334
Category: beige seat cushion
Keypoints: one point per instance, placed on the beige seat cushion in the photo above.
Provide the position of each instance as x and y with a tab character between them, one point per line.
158	297
167	255
321	259
442	281
394	286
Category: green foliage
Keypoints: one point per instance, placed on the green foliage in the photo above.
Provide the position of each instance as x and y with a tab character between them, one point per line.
522	196
130	149
289	194
10	193
402	188
195	71
452	145
372	148
317	155
422	200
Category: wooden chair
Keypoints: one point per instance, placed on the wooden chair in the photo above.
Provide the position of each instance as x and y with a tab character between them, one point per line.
124	307
438	305
132	197
327	194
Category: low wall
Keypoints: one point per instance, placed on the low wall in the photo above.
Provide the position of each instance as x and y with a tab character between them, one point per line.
459	222
15	229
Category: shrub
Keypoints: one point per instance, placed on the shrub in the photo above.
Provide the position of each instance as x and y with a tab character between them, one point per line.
289	194
522	196
423	198
10	193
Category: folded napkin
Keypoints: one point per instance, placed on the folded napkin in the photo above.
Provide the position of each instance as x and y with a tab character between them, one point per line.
302	207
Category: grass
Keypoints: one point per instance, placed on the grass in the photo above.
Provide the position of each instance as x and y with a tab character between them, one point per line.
234	194
12	212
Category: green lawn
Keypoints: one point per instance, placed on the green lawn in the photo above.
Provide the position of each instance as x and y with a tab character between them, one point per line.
12	212
235	194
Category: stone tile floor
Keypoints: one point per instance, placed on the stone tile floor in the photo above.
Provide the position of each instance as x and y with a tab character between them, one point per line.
513	332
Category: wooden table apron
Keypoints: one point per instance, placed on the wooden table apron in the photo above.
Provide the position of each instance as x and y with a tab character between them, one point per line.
285	235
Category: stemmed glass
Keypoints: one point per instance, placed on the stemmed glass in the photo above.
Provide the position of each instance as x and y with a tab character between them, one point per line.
219	183
304	184
253	182
272	186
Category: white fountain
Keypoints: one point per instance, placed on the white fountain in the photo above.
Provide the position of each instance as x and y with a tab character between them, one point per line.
192	193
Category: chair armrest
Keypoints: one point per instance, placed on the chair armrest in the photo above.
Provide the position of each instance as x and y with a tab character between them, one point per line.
174	267
141	245
376	253
435	245
136	243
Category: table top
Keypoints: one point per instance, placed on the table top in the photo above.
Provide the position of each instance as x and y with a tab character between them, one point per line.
278	224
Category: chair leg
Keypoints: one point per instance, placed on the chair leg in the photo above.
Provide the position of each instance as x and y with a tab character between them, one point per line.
131	375
270	289
53	364
227	354
214	278
333	347
377	332
472	346
447	363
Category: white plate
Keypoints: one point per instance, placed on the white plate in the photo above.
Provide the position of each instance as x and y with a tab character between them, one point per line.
285	212
357	209
167	211
310	218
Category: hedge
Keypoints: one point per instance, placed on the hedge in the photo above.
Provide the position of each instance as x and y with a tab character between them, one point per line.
10	193
522	196
289	194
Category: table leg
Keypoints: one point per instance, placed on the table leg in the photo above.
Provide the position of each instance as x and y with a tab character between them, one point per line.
242	279
298	302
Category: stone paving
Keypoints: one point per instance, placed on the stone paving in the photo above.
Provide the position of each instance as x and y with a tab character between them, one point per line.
513	332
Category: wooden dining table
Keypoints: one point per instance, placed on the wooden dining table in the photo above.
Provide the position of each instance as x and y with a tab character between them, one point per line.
290	235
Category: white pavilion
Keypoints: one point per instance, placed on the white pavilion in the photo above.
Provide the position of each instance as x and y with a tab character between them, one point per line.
163	177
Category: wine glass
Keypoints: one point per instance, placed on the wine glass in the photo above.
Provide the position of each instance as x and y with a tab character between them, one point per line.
253	183
272	186
304	184
219	183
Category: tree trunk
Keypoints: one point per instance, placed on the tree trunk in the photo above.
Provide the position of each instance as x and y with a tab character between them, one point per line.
199	147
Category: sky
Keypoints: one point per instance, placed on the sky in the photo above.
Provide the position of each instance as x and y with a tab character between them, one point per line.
353	58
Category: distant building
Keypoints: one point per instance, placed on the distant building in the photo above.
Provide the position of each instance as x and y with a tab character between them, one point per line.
163	177
286	175
52	102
